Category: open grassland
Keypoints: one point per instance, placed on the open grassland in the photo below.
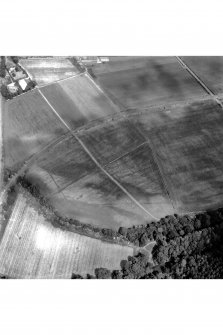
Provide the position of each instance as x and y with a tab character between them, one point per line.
32	248
47	70
151	81
209	70
29	125
78	100
188	143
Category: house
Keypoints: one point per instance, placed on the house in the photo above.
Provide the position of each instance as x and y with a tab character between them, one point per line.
12	88
16	73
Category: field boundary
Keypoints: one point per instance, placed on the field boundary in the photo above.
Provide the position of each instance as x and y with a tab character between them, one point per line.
97	163
155	159
201	82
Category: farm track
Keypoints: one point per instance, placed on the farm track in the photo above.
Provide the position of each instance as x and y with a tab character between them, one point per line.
95	160
200	82
156	161
90	124
27	164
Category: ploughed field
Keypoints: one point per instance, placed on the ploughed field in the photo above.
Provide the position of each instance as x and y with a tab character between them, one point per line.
148	162
47	70
32	247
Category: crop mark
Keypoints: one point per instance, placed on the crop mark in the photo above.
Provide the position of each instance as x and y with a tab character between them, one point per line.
201	82
95	160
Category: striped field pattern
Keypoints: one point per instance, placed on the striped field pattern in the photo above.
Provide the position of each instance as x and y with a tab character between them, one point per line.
32	248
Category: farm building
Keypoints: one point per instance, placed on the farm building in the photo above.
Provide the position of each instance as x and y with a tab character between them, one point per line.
103	59
12	88
15	74
22	84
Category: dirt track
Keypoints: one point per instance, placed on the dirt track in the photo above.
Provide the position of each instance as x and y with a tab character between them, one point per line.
98	164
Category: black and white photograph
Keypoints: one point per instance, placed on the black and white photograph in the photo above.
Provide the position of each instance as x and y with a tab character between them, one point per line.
111	167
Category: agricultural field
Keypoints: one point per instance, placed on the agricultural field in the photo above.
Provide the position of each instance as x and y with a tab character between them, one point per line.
78	100
95	199
32	248
140	175
29	124
187	140
65	161
47	70
110	140
146	81
166	158
209	70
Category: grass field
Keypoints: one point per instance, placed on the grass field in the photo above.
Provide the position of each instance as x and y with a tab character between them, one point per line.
29	125
147	81
208	69
48	70
32	248
188	143
78	100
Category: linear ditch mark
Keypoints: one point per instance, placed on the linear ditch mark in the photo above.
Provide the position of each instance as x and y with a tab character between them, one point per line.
29	162
156	161
95	160
201	82
102	91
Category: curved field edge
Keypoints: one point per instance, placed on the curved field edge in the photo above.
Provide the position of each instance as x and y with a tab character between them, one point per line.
37	246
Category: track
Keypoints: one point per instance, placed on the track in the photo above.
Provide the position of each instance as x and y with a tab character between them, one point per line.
200	82
95	160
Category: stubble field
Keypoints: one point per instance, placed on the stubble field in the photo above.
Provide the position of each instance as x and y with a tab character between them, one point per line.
47	70
32	248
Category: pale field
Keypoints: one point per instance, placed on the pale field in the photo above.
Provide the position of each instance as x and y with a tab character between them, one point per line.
47	70
29	125
78	100
32	248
